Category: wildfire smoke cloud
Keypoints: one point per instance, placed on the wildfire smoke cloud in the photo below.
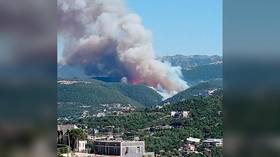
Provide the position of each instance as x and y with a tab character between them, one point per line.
106	39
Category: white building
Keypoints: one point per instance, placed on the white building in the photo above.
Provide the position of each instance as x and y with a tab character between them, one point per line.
193	140
178	114
121	148
185	114
172	113
100	114
191	144
216	142
81	146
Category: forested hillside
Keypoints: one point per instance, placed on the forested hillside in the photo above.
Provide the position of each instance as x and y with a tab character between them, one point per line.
201	89
93	92
140	93
205	121
203	73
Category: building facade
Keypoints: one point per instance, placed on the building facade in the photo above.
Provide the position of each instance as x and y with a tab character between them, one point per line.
81	146
120	148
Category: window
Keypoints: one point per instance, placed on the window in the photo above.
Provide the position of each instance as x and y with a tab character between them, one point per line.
138	150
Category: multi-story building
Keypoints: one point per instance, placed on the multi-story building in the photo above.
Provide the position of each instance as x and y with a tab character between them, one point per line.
120	148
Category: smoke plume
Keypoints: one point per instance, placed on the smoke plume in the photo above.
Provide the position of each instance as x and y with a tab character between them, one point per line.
106	39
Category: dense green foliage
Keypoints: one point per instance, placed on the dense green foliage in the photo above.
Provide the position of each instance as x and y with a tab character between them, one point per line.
94	92
62	149
203	73
130	122
205	121
139	93
77	134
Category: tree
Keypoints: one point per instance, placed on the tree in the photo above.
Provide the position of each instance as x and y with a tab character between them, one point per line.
75	136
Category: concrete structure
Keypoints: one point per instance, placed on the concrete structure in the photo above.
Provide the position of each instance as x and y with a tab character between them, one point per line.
100	114
81	146
185	114
120	148
193	140
190	147
179	114
191	144
214	141
173	113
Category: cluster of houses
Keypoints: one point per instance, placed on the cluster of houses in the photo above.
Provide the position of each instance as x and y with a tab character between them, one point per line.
99	146
192	144
108	109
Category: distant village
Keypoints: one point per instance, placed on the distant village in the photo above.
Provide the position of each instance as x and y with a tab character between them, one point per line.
114	109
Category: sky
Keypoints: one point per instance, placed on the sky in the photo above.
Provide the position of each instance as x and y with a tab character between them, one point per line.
182	26
185	27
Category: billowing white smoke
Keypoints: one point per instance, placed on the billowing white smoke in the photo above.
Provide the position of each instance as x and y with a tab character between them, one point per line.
106	39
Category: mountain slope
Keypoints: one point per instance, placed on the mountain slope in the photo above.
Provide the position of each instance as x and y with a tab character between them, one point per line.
203	73
201	89
93	92
139	93
187	62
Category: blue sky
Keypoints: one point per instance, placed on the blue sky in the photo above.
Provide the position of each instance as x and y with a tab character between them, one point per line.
182	26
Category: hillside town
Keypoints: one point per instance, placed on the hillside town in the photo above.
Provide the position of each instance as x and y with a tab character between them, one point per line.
113	145
80	140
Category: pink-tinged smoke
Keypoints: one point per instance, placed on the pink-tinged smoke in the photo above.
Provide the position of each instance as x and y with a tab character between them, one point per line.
106	39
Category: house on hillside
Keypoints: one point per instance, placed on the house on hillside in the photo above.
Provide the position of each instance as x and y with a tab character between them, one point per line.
100	114
213	141
191	144
179	114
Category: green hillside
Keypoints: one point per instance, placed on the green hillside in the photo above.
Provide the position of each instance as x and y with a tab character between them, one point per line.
139	93
205	121
93	92
203	73
200	89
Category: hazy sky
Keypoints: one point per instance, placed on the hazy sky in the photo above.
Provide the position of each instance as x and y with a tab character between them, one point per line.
182	26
